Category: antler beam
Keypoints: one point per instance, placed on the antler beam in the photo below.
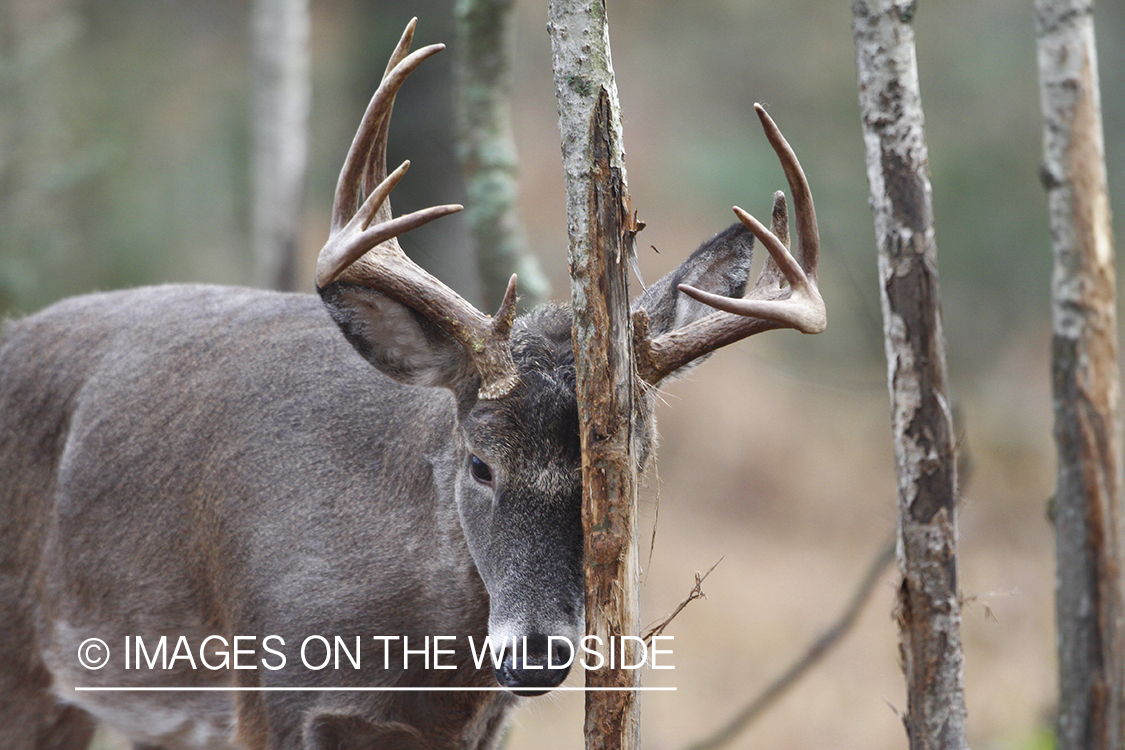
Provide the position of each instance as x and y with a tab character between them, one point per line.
785	294
362	248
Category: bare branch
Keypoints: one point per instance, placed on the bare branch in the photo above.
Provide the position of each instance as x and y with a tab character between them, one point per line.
695	593
812	656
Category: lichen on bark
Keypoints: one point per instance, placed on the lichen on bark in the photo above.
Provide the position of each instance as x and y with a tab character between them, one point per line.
929	611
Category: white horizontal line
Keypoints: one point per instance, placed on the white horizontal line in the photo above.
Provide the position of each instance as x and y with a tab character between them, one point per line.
355	689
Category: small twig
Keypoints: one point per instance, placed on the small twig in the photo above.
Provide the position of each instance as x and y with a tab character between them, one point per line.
968	600
655	523
812	655
695	593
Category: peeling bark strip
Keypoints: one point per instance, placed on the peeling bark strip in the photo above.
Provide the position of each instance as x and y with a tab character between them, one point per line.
1086	382
598	223
929	611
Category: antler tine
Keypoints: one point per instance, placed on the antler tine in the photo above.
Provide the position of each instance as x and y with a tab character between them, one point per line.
377	163
362	249
339	256
366	162
771	278
768	304
779	218
807	232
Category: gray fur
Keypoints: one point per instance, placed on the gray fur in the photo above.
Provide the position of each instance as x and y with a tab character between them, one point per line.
198	460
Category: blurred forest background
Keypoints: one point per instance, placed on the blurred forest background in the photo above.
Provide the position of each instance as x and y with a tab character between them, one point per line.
124	160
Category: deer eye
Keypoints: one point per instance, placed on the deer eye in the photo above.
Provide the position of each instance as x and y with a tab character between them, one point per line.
480	470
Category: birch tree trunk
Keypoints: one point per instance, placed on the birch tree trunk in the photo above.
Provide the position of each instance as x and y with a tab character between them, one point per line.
929	610
600	226
487	153
279	128
1086	382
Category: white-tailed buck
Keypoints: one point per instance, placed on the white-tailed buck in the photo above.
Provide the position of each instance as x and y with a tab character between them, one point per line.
228	492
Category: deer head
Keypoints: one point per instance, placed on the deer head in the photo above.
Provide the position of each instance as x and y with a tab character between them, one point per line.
517	457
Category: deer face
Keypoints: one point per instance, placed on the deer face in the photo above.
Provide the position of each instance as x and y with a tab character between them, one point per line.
519	496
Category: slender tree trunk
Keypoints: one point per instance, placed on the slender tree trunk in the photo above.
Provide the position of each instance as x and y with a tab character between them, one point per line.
280	115
600	223
487	153
929	610
1086	380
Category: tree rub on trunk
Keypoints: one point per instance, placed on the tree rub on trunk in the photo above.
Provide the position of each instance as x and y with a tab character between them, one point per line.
487	153
280	137
1086	382
929	611
600	226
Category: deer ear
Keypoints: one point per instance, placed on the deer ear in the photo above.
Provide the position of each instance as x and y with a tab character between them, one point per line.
721	265
399	341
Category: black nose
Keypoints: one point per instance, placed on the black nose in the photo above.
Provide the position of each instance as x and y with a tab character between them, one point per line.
537	662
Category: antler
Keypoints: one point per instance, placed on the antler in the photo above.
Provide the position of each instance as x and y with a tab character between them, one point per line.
785	294
362	248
